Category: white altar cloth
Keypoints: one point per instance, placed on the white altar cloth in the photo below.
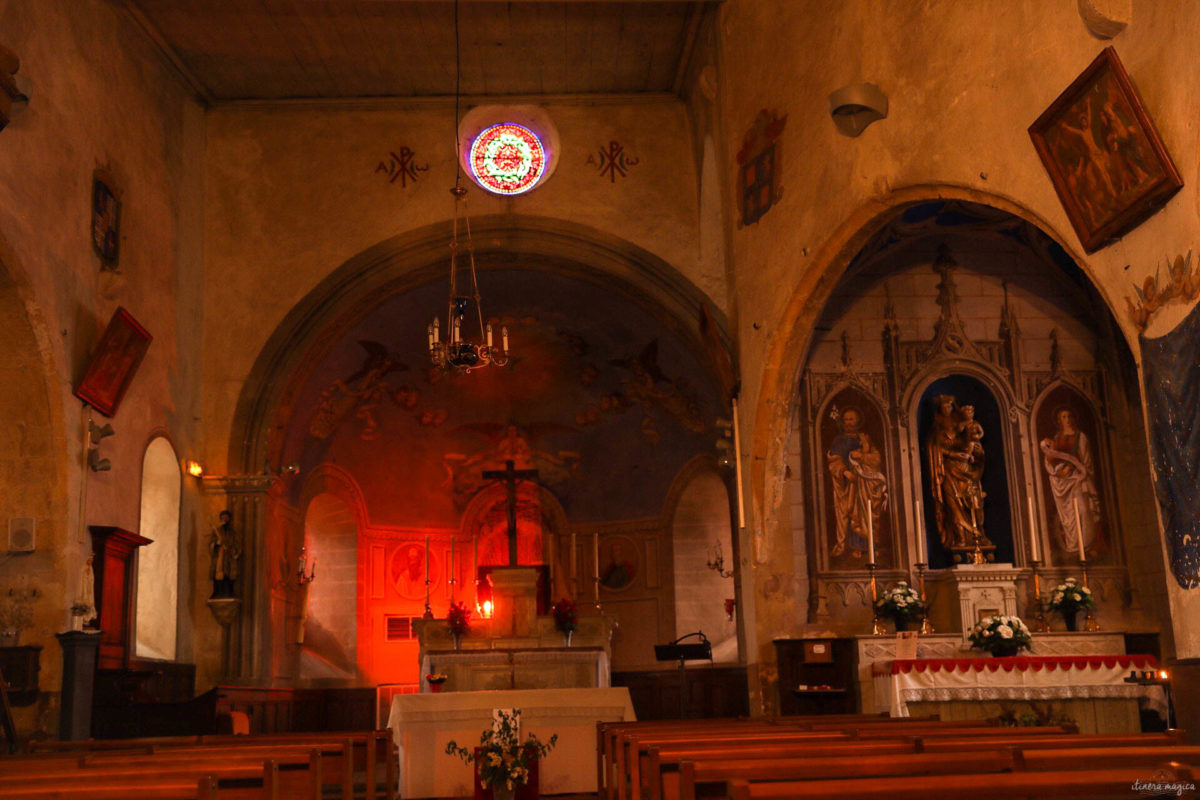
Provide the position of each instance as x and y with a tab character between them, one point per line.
903	681
422	724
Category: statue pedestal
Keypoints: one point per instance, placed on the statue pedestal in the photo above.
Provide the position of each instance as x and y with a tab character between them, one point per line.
514	600
982	589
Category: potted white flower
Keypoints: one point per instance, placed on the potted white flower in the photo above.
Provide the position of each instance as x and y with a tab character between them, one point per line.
1001	635
1069	598
902	604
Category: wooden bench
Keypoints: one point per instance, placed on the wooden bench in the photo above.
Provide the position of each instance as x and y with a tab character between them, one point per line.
643	772
660	779
322	759
1095	784
118	788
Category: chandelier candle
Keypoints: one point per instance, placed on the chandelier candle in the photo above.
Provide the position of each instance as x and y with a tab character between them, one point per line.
1033	537
1079	531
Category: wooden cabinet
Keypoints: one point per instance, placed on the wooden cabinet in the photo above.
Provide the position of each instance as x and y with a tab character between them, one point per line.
826	667
20	667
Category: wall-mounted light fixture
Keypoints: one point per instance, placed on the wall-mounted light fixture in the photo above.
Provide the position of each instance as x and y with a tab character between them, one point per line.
94	434
194	468
856	106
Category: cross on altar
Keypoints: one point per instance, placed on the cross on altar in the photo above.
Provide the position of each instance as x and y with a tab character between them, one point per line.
509	477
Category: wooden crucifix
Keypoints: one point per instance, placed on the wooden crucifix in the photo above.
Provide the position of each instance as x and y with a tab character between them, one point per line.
510	476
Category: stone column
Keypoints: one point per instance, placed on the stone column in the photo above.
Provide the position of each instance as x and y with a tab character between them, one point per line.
246	635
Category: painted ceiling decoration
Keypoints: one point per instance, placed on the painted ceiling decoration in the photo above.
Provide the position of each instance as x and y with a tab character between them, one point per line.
594	398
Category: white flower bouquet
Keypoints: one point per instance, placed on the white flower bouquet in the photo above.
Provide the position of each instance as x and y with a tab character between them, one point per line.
901	603
1001	635
1069	597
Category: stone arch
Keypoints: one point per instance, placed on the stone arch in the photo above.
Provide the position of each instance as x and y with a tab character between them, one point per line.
782	372
419	257
786	354
700	512
38	471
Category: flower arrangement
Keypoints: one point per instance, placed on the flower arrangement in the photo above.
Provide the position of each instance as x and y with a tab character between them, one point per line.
566	616
1001	635
502	759
458	619
900	602
1069	597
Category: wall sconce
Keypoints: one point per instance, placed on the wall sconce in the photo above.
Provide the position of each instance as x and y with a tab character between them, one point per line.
301	578
730	605
856	106
194	468
716	561
288	469
94	434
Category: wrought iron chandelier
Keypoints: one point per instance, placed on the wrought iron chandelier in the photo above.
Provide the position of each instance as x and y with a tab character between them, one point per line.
457	351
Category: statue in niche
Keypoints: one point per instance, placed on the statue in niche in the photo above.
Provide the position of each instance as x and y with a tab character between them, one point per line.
956	461
225	547
1067	458
854	464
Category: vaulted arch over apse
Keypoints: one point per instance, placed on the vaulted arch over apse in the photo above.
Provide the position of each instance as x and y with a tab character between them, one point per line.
609	393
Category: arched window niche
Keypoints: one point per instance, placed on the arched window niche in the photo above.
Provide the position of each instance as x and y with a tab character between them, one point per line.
158	563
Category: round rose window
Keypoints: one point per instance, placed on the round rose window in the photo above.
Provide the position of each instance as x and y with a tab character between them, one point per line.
507	159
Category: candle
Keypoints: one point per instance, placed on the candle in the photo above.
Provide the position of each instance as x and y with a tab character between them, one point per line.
550	556
429	331
737	468
573	562
489	334
504	338
1033	535
475	567
426	560
1079	530
870	535
596	565
450	571
437	330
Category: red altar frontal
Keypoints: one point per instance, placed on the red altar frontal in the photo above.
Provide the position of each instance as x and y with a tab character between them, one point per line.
900	682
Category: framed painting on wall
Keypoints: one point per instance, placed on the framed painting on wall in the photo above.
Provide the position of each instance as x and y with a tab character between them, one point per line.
1103	154
113	363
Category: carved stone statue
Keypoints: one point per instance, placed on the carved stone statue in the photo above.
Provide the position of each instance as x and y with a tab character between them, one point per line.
225	546
954	449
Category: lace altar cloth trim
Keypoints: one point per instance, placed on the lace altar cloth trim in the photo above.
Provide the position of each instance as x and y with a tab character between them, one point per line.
983	693
1023	663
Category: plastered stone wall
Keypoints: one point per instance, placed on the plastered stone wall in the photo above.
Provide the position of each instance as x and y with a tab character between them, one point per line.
294	192
101	98
701	522
964	83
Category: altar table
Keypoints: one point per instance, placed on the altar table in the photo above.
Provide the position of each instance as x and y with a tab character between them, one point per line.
900	682
422	724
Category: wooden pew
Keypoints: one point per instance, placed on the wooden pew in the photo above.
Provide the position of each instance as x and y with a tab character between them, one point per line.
119	788
643	769
1095	784
661	779
363	748
233	780
606	732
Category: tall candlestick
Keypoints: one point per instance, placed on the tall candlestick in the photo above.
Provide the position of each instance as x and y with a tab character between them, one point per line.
1079	530
1033	535
574	563
450	571
475	567
870	534
737	468
427	560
